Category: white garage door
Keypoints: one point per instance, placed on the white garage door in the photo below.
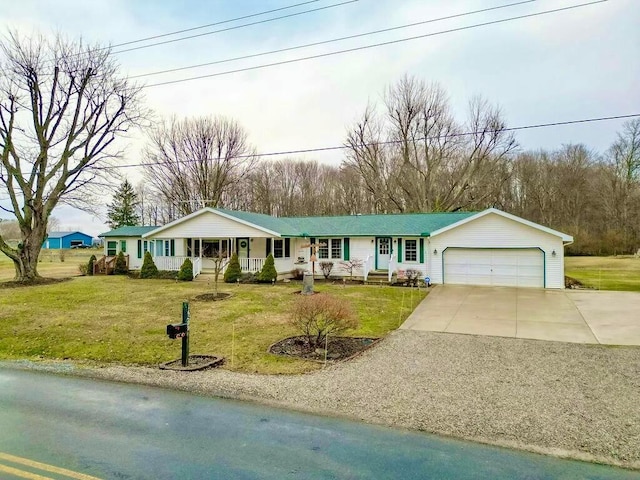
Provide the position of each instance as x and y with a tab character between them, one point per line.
500	267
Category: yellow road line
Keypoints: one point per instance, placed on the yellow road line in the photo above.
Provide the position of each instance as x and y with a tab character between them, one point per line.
43	466
21	473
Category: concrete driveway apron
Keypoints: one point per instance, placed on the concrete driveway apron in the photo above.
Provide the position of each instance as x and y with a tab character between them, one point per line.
560	315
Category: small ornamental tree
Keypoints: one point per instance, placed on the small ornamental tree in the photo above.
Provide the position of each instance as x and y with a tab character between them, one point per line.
120	267
351	266
326	268
92	260
233	271
149	269
317	316
268	272
186	271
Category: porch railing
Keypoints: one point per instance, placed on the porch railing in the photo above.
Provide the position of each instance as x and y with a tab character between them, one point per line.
392	266
368	266
174	263
251	265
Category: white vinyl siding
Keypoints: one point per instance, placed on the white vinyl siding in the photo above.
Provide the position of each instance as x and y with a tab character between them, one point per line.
211	225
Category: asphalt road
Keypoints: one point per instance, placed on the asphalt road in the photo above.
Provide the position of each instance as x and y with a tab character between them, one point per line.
60	427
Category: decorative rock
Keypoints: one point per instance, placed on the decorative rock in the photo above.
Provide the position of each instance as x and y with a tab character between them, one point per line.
307	283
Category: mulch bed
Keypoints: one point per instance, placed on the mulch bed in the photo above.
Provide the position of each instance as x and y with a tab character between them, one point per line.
570	282
338	348
32	283
213	297
196	362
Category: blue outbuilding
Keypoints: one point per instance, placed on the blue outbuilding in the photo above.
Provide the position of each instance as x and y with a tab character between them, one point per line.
56	240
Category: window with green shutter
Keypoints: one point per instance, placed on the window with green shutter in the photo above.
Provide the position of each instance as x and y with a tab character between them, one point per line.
399	250
422	250
346	249
123	246
112	246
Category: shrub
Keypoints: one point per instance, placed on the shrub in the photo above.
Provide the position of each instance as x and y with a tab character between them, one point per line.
268	272
233	271
317	316
413	276
298	274
326	268
120	267
62	254
92	260
83	268
149	269
186	271
248	277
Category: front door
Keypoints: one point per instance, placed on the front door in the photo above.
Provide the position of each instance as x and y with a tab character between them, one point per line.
243	248
383	253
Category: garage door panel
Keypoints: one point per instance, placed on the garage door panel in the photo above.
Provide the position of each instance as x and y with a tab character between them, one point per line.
499	267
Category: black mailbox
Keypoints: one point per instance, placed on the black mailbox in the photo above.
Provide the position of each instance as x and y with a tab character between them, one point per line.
177	330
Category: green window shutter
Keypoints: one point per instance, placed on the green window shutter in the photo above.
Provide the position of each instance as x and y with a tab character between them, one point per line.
139	248
312	241
287	247
399	250
123	246
268	247
422	250
173	247
346	249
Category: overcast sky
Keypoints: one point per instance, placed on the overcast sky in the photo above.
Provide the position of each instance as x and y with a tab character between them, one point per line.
575	64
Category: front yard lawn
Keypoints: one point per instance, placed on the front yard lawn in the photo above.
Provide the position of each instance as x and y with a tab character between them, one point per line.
119	319
605	273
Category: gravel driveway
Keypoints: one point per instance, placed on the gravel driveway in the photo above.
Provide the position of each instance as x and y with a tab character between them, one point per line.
565	399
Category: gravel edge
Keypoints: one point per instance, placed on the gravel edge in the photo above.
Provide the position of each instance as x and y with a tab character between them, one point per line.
566	400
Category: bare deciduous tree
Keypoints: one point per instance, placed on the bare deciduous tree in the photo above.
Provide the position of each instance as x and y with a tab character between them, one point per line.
192	163
62	107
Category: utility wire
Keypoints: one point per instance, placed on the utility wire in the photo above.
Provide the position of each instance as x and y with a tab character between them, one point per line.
304	12
200	27
391	142
324	42
366	47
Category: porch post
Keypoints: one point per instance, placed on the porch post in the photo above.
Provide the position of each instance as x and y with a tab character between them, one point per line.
200	249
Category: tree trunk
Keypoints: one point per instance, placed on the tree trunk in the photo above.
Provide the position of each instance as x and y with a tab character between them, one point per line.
26	263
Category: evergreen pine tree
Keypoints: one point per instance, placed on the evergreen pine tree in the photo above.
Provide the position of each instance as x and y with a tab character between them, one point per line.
186	271
149	269
268	272
121	265
122	210
233	271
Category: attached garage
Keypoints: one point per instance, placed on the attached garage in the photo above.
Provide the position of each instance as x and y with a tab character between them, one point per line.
494	266
498	249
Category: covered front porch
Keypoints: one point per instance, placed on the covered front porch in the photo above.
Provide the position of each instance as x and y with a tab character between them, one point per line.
169	254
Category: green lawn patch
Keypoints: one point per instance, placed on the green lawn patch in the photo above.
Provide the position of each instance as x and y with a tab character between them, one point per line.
605	273
123	320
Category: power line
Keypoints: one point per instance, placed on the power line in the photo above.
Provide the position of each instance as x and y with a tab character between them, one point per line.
395	142
324	42
366	47
200	27
304	12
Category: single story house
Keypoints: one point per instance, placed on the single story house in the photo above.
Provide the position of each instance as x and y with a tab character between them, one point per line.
58	240
490	247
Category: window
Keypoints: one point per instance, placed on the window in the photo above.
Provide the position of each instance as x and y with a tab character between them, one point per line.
336	248
323	248
123	246
410	250
278	248
112	247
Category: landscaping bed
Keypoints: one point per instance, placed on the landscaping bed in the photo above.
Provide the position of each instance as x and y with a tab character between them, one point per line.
338	348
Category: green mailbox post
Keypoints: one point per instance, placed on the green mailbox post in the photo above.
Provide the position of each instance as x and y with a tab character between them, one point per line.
181	330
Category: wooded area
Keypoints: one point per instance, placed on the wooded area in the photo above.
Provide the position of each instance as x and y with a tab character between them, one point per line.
407	155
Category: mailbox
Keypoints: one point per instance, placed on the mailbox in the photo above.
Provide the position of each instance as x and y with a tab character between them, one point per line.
177	330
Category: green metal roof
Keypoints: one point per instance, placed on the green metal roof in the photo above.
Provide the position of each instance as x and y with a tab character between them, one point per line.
127	231
398	225
280	225
407	224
